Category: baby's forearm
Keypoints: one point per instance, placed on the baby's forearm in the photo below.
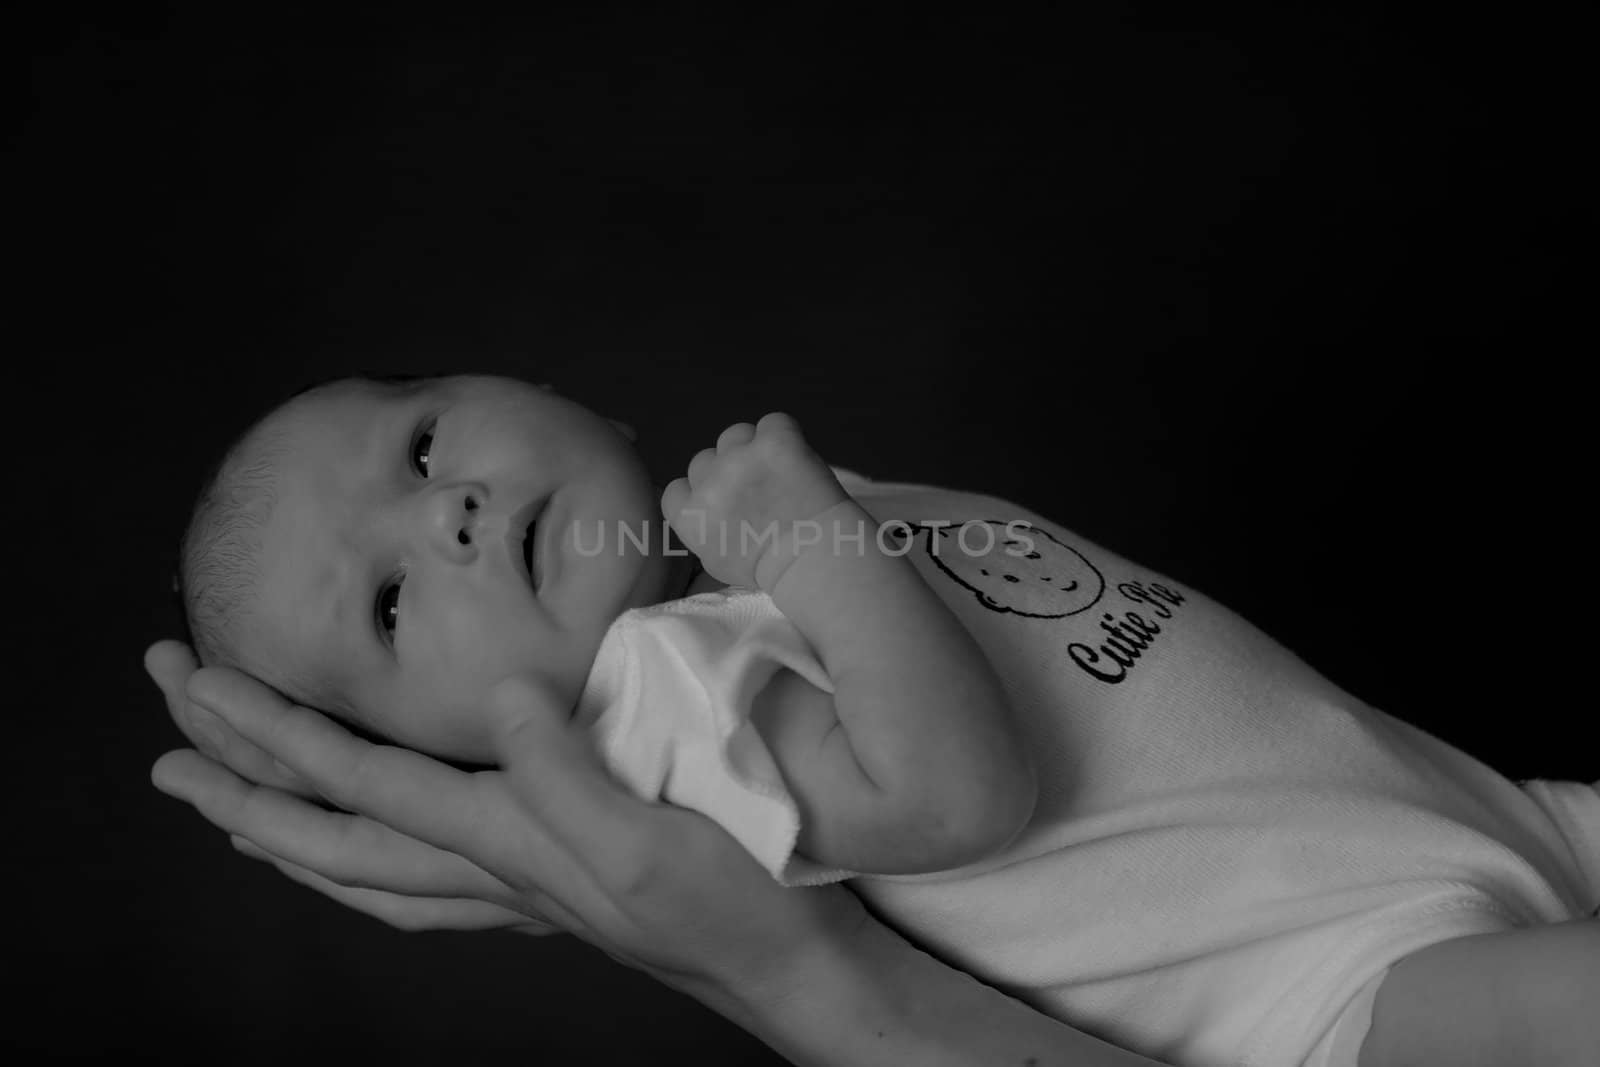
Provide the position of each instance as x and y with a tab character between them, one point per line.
924	711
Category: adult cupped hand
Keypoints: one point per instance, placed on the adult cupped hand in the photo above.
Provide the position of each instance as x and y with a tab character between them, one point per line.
548	841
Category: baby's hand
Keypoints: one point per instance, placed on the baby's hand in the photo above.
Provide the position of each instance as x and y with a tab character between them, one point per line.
748	501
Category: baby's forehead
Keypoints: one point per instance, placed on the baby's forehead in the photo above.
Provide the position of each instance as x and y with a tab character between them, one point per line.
331	404
321	450
336	419
306	452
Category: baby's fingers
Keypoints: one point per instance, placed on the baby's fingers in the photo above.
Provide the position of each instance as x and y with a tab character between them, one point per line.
740	433
673	500
777	423
701	465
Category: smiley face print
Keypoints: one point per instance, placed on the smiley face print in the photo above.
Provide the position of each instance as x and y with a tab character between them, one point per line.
1013	568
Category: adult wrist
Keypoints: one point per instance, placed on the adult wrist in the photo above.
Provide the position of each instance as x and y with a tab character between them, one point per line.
822	1006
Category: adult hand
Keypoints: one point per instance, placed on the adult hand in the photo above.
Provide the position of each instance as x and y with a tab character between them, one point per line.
169	664
552	839
549	840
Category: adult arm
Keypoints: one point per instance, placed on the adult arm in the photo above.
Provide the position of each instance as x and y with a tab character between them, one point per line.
879	1000
550	839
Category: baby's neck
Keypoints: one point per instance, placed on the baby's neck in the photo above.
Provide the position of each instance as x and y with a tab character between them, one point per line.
685	576
702	582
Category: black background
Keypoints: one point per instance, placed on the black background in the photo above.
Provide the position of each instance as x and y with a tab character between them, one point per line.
1291	311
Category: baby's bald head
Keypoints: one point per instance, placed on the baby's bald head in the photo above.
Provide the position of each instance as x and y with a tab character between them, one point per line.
219	571
385	553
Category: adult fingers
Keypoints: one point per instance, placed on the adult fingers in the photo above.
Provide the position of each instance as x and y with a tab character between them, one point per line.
351	850
479	816
406	791
400	911
170	664
556	775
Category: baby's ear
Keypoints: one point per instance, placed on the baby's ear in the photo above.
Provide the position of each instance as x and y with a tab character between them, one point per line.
625	430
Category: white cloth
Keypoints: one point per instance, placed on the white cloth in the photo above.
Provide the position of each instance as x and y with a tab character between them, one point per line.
668	701
1228	851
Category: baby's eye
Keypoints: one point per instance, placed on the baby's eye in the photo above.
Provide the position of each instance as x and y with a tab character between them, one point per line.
389	608
421	448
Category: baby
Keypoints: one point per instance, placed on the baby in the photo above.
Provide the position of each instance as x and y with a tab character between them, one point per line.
1072	778
389	552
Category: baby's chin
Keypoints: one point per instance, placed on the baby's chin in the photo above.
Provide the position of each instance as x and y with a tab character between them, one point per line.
660	578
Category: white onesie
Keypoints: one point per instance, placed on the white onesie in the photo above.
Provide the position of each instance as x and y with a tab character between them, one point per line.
1228	850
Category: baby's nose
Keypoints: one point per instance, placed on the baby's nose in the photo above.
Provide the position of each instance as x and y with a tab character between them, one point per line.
459	520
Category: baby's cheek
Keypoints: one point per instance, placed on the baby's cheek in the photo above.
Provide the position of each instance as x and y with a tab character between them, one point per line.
468	641
433	706
451	726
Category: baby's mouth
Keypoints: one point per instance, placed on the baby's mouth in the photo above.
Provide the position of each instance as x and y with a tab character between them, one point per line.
530	562
527	520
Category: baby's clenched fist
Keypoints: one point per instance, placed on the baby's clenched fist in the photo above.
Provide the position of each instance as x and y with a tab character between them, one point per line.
744	502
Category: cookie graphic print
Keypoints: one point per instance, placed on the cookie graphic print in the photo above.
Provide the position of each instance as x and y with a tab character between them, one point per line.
1015	568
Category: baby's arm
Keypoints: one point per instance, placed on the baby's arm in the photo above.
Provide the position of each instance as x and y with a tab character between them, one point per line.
912	764
1529	996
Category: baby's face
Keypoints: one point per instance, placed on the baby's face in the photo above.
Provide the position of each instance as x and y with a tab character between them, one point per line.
392	573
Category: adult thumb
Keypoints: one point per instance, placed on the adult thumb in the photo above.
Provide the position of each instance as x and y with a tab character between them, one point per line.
523	715
553	766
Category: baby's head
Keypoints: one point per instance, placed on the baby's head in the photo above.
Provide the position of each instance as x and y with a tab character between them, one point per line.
361	549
